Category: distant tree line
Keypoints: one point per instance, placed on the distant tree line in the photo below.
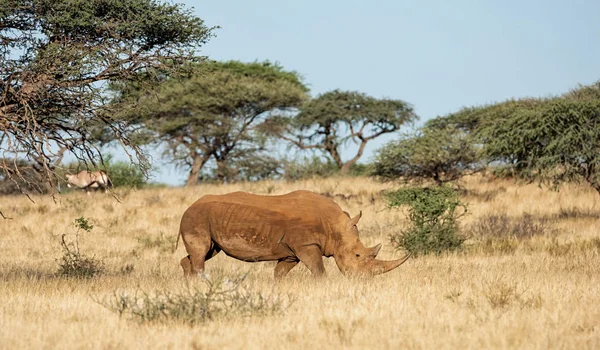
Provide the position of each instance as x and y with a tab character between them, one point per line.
550	140
77	76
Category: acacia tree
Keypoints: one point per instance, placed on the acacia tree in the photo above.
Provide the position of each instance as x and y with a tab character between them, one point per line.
58	57
328	121
555	141
213	112
439	152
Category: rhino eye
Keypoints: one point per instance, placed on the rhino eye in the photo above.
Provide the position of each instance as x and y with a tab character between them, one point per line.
358	255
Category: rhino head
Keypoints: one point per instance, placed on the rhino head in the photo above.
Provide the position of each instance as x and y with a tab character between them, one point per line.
353	258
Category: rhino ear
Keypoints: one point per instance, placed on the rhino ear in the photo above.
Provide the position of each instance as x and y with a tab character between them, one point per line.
347	214
355	219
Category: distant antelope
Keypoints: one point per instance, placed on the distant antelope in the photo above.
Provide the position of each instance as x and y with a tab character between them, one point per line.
89	179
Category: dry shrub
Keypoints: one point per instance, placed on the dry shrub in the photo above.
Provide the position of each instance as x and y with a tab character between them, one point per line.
555	248
502	246
216	298
576	213
486	195
502	294
502	226
162	242
343	330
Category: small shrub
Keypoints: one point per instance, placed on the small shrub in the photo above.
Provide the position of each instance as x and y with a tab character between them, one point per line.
434	214
218	298
453	295
75	264
504	246
501	294
127	269
343	330
557	249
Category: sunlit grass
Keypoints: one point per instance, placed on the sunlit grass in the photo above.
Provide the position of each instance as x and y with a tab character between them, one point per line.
535	290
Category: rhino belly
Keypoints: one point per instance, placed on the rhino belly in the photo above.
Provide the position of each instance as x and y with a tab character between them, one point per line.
248	245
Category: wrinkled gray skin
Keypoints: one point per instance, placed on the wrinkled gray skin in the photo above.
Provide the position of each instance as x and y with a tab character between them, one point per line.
300	226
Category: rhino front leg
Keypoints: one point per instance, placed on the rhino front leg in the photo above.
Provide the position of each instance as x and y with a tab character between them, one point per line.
312	257
283	267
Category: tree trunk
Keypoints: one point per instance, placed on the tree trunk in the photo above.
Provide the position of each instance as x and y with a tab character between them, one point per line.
335	155
221	170
345	169
197	165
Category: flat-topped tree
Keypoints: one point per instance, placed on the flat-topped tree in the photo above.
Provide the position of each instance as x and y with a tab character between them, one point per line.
212	114
328	121
58	59
554	141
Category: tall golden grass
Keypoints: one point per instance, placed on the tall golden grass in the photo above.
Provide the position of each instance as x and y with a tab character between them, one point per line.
501	292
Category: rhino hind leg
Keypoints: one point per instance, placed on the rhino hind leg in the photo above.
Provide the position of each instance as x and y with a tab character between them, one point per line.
186	265
187	262
312	257
283	267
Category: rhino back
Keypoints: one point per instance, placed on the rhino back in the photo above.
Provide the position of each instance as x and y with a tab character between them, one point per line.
296	204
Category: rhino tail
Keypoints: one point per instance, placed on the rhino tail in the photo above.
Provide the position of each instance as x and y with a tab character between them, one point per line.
176	242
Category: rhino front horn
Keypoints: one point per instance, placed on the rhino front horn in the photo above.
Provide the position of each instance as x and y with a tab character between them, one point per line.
381	266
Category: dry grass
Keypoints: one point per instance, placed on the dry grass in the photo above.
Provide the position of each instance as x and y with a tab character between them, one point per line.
541	292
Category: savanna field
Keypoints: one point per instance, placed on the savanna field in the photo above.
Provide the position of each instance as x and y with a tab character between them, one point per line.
528	276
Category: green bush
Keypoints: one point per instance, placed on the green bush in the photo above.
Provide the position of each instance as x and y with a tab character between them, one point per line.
124	174
74	263
434	214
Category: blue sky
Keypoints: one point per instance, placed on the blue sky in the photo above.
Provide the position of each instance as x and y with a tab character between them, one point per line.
437	55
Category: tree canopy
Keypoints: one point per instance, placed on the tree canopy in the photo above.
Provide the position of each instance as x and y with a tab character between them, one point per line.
331	119
555	141
213	113
58	58
551	140
442	153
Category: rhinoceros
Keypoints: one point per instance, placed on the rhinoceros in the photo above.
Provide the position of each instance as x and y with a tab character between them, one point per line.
300	226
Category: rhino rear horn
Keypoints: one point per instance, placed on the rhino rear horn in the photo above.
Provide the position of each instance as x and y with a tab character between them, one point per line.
373	251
